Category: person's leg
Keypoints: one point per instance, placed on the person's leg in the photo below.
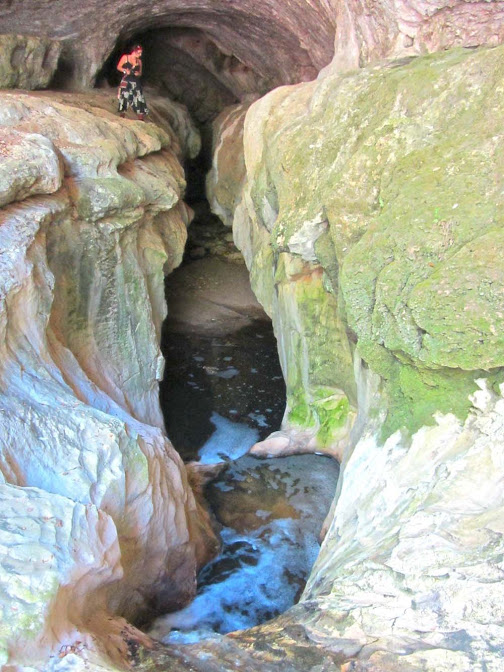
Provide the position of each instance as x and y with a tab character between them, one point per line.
138	103
123	102
125	99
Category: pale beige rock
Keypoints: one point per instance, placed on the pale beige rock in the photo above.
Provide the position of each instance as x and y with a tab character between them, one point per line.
295	442
81	306
224	180
427	555
54	554
27	62
395	28
29	166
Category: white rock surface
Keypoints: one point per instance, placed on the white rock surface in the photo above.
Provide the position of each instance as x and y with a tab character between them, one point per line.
412	563
90	221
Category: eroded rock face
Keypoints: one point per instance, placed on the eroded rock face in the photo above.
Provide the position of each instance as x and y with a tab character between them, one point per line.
377	195
49	544
91	218
27	62
243	48
371	31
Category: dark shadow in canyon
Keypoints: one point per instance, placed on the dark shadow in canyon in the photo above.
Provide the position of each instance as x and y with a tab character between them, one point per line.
222	370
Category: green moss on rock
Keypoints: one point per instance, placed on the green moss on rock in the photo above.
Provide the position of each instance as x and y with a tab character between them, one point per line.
333	413
407	164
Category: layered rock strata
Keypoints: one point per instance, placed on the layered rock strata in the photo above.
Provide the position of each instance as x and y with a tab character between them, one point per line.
368	208
100	519
252	45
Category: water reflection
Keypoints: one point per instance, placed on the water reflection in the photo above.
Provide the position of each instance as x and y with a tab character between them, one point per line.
211	379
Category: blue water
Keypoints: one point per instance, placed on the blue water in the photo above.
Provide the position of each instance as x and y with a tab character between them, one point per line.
277	507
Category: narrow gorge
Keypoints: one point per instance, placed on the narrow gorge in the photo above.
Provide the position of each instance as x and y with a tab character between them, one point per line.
353	153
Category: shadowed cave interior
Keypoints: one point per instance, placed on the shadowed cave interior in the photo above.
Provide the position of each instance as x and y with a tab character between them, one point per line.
223	388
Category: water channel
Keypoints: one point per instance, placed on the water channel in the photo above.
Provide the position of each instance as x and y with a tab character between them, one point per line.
223	390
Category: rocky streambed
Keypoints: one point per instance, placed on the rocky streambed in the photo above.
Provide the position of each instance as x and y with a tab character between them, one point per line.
271	512
223	391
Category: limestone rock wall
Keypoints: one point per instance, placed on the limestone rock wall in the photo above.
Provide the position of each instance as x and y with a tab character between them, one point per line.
27	62
370	31
369	211
92	217
232	49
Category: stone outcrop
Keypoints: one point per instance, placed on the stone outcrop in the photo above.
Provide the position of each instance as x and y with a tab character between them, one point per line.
102	521
368	209
368	32
27	62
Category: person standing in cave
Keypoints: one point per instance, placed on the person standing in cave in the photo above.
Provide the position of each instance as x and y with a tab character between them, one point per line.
130	92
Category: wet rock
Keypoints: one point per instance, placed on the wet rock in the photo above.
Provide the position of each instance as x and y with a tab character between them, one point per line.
271	511
81	306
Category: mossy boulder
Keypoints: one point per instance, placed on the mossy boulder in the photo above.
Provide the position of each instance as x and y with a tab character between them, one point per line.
389	180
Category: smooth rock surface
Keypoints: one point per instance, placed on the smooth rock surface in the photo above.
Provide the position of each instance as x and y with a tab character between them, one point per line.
27	62
81	305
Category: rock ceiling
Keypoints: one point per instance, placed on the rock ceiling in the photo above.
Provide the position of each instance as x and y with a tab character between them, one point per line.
230	48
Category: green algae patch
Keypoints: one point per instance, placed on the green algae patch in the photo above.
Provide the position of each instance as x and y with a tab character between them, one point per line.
333	413
413	396
301	413
327	412
405	164
310	315
319	363
467	290
136	465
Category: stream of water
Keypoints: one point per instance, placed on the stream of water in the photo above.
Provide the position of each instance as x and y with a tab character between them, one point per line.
223	391
271	511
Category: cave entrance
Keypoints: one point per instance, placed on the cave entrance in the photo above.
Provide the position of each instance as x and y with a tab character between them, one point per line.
222	391
223	388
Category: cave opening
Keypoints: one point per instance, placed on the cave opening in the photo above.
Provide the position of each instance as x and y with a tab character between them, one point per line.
222	377
223	388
